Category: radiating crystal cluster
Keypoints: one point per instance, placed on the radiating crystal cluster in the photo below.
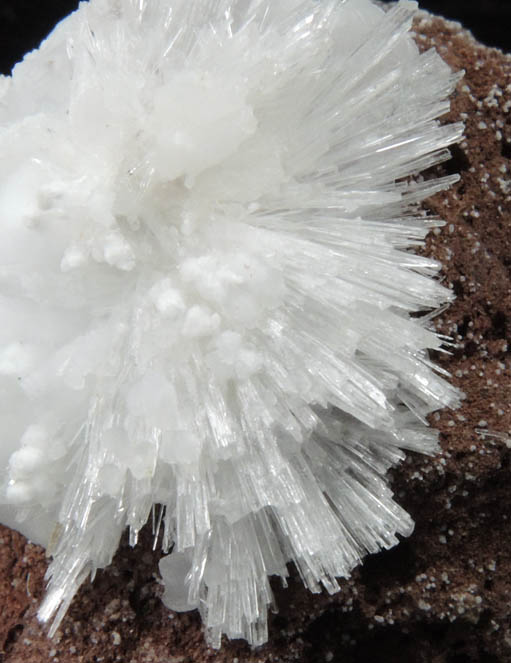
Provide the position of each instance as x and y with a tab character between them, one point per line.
208	212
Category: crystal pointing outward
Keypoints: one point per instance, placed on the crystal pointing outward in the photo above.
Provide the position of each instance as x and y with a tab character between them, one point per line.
206	279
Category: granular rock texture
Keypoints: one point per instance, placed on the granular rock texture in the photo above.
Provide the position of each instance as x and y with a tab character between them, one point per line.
444	594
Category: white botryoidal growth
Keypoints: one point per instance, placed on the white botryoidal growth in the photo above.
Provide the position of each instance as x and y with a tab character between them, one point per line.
208	212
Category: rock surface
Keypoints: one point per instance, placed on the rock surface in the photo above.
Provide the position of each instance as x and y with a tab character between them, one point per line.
441	596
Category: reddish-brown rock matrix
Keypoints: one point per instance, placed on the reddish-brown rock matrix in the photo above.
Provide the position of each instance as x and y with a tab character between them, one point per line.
444	594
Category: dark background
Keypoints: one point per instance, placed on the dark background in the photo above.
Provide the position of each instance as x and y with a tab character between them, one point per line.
24	23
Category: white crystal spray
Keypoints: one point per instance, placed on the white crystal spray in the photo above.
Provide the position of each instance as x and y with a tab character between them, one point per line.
208	213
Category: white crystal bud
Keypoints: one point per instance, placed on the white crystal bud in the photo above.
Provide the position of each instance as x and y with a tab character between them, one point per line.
174	569
167	300
25	461
200	321
35	436
74	256
19	492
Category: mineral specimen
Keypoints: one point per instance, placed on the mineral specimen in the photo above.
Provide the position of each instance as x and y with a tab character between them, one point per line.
208	291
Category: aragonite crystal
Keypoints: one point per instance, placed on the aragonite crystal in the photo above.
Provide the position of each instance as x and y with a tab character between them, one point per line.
209	211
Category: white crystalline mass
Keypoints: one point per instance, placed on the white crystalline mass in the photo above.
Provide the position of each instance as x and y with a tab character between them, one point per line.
206	280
